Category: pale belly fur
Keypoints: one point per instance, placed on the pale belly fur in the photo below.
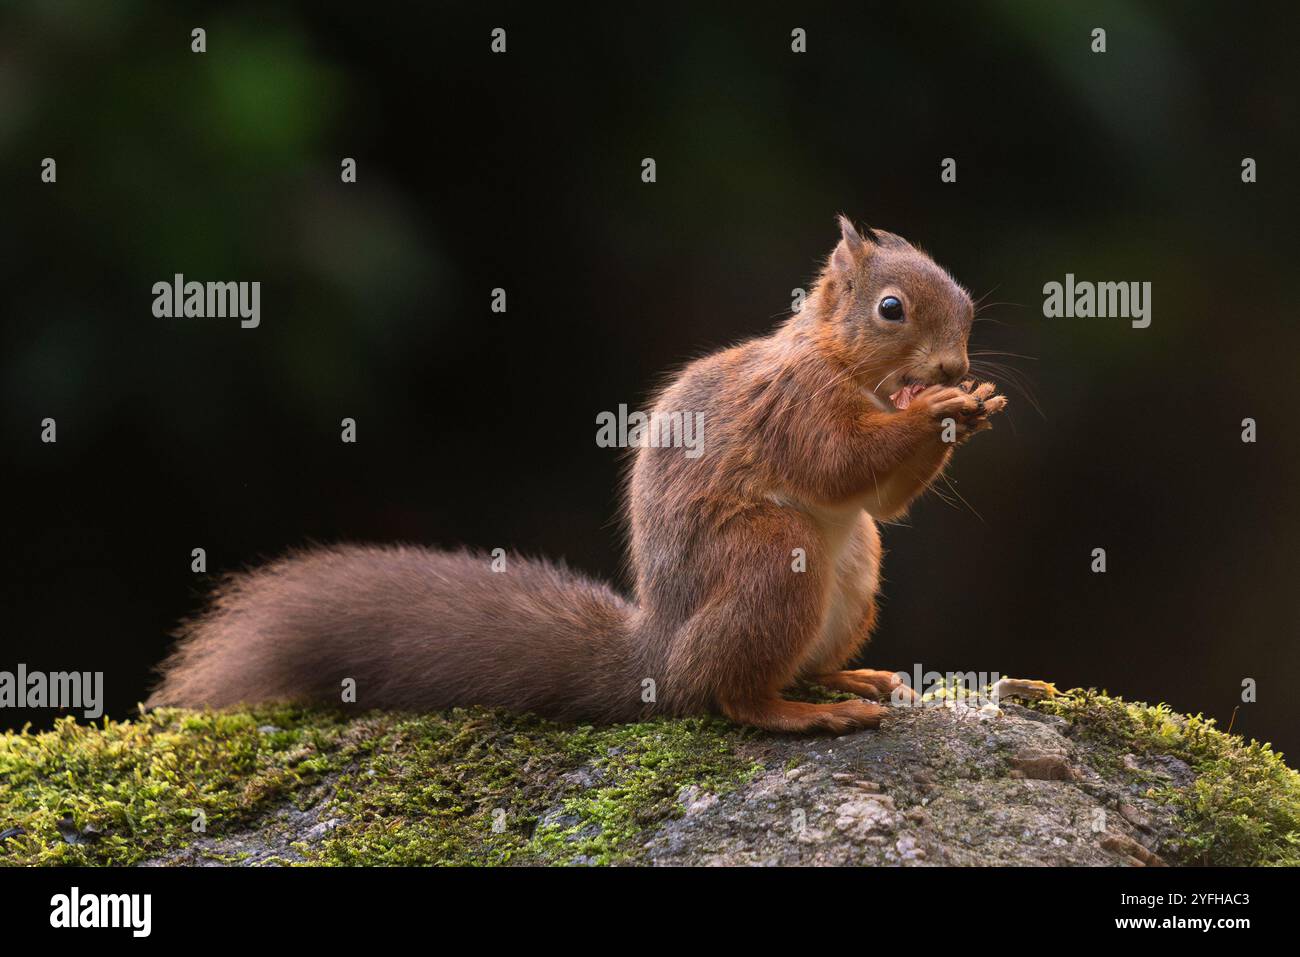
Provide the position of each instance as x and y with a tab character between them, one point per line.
851	546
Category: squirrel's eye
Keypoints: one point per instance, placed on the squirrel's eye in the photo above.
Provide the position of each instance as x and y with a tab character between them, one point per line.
891	309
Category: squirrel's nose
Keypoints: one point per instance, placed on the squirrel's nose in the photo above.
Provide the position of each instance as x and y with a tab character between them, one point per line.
951	370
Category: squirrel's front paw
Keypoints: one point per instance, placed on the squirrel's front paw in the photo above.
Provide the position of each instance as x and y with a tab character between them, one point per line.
987	403
941	401
968	405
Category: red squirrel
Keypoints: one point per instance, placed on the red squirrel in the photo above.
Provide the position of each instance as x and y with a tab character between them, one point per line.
839	418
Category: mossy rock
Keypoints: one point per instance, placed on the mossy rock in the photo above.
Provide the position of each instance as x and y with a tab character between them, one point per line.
1080	779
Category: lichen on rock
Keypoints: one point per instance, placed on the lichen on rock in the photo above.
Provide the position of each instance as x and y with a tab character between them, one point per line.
1082	778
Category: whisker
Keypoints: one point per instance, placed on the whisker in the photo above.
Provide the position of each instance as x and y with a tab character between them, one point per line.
851	371
886	376
978	302
953	488
1010	375
1014	355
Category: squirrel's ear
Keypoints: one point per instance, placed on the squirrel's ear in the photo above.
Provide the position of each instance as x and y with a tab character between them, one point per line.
851	248
848	232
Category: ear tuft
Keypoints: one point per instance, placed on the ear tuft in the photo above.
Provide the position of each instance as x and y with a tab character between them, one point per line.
848	233
851	234
851	247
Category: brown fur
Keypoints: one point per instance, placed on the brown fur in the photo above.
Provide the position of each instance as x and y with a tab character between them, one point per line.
801	451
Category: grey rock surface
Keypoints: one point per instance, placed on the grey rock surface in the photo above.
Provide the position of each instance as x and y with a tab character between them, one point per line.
940	786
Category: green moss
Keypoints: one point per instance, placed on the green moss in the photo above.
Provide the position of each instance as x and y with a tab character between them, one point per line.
467	787
812	693
1243	808
640	771
119	792
482	787
472	787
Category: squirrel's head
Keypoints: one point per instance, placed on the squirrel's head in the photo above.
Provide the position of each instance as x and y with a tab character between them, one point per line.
890	313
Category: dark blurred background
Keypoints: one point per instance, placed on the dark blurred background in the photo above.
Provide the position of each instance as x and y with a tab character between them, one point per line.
523	171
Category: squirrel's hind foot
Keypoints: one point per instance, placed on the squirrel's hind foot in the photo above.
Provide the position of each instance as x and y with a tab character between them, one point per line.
777	714
877	685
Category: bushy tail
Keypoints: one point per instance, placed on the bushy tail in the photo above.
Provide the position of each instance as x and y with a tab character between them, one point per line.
414	629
